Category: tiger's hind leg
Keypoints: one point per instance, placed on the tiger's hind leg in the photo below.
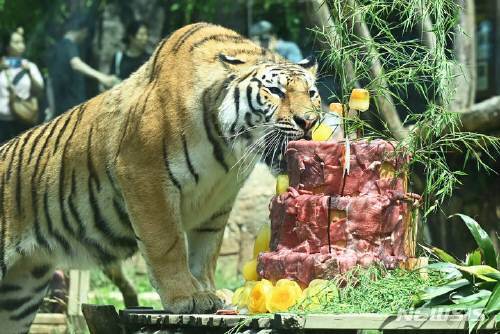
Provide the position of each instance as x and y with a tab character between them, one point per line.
115	273
21	293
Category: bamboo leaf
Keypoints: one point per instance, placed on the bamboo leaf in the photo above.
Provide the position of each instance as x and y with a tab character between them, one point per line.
480	271
493	305
473	320
480	297
482	239
474	258
441	254
449	269
444	256
478	304
495	276
433	292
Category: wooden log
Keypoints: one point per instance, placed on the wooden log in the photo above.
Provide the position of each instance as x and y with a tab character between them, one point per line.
50	318
411	322
48	329
101	319
292	323
79	284
417	263
483	116
54	323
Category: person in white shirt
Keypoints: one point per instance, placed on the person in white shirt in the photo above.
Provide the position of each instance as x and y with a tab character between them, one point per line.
24	77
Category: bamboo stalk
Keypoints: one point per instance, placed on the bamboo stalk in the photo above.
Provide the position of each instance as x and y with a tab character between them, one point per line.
385	103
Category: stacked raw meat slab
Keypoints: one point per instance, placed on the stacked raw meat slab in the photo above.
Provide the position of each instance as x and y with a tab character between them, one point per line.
326	223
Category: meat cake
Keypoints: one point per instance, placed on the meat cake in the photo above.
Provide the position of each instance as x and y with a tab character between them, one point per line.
326	224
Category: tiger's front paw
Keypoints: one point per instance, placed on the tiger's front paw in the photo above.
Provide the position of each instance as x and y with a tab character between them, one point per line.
199	303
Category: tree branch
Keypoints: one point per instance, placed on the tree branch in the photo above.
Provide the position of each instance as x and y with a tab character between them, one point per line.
320	17
465	55
483	116
425	29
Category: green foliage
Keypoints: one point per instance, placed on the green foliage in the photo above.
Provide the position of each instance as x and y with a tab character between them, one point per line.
406	66
104	292
482	239
190	11
289	12
471	285
225	277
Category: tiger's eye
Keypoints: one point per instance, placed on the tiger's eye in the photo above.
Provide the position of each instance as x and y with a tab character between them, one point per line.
276	91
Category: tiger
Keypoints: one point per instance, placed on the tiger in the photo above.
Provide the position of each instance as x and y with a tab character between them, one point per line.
151	165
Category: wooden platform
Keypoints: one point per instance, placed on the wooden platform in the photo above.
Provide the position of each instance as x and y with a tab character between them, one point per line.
99	318
45	323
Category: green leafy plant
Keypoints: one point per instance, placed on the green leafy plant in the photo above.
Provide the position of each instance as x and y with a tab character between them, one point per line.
473	284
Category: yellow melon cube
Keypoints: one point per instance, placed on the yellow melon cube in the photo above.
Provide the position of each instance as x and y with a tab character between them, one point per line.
250	270
318	293
282	183
322	132
387	170
262	241
360	99
337	108
241	296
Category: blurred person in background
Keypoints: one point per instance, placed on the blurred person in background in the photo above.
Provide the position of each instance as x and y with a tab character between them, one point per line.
263	34
67	69
17	76
126	62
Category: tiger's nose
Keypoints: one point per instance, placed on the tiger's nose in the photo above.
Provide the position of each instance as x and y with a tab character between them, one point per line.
306	122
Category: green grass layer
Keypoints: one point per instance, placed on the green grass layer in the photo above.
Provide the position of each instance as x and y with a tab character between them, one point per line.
374	290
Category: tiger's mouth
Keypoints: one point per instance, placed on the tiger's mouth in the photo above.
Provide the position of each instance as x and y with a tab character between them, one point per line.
277	165
274	154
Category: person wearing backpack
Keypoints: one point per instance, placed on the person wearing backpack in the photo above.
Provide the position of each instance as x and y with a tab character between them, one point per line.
20	85
125	62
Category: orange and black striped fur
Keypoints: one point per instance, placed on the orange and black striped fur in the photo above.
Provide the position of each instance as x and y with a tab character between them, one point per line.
154	163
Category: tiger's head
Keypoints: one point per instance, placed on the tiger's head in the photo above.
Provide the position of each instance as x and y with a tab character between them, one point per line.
270	104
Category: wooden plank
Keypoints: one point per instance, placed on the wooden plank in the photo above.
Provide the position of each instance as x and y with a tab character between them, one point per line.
261	323
388	322
79	284
50	319
48	329
101	319
197	320
231	320
288	321
77	324
313	322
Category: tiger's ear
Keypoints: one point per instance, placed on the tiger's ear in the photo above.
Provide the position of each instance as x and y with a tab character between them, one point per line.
309	64
230	60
